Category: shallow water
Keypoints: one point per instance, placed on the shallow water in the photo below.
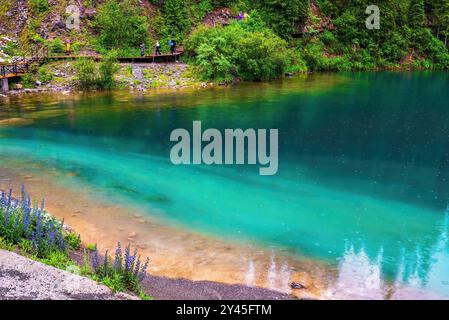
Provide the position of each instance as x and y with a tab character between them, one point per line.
362	181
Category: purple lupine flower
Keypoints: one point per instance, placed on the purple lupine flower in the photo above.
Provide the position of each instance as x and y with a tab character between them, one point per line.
7	216
105	262
28	202
26	220
42	204
127	257
9	198
129	261
61	243
22	193
39	226
118	257
137	268
16	223
132	260
143	272
95	260
51	236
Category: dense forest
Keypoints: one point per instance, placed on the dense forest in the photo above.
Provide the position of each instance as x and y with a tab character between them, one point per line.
276	36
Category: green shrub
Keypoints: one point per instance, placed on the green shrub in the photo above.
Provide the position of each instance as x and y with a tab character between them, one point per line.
11	48
107	70
86	73
223	53
97	76
39	6
44	74
176	18
121	25
73	240
262	56
56	46
282	15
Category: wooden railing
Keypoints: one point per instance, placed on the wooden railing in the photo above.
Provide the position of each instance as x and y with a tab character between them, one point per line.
13	70
9	70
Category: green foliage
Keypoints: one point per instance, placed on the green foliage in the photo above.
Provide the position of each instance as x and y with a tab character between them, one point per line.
91	246
107	70
56	46
261	56
114	281
283	15
403	34
28	80
11	48
176	18
223	53
44	74
39	6
123	272
199	10
97	76
73	240
121	25
86	73
416	15
57	259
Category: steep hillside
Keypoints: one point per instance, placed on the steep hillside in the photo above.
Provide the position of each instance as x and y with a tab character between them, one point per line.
326	35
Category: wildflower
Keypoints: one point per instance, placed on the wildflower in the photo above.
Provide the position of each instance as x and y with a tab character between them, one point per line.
105	262
137	268
95	259
127	258
118	257
143	272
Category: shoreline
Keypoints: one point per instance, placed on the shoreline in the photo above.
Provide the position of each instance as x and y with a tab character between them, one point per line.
133	77
132	216
71	90
207	262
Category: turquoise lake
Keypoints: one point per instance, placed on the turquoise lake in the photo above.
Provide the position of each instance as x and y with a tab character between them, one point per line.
363	164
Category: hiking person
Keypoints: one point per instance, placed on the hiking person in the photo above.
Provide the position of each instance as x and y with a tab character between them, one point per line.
158	48
240	17
172	46
246	16
68	46
142	49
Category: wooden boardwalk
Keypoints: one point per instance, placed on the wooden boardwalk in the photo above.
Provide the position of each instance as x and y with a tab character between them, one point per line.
13	70
19	69
162	58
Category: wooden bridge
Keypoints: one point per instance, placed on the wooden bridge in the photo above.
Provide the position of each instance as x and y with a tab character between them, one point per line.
19	69
13	70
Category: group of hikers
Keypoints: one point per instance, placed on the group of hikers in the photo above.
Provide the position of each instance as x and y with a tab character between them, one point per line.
243	16
172	44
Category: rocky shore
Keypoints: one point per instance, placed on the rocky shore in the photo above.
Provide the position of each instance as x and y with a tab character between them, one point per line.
25	279
137	77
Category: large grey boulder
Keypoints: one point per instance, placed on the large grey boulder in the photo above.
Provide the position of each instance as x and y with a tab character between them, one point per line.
25	279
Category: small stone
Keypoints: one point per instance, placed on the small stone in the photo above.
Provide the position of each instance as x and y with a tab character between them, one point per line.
297	285
301	280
